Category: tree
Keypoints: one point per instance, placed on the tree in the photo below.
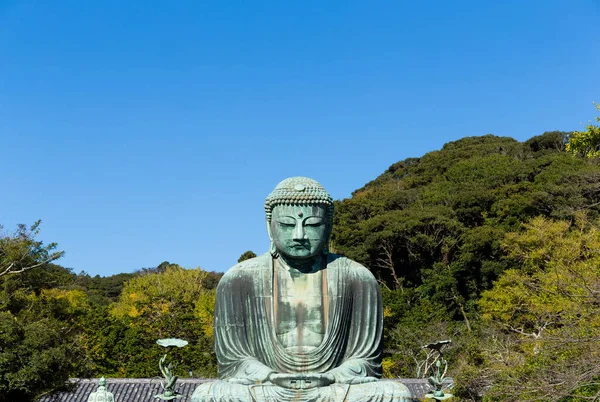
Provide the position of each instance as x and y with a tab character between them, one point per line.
39	348
21	252
585	143
246	256
174	303
550	305
432	230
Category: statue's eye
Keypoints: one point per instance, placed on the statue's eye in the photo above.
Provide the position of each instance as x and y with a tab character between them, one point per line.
313	221
286	221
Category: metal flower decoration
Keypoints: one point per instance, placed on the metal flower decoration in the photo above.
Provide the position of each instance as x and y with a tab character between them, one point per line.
168	370
172	342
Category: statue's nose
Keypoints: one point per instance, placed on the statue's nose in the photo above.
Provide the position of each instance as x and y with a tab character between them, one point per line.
299	232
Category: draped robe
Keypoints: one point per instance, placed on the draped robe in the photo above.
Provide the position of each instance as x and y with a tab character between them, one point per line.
248	349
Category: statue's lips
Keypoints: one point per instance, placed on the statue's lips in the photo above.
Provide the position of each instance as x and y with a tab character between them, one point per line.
299	246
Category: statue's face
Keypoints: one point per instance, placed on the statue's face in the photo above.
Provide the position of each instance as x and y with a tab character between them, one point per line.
299	231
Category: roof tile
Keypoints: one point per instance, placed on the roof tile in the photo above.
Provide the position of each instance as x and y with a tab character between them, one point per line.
144	389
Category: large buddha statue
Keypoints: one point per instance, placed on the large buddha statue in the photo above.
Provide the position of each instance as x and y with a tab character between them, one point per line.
299	323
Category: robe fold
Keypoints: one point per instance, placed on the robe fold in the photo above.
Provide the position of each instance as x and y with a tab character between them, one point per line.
248	349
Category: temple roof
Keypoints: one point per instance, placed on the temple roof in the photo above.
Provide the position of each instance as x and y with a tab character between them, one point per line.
144	389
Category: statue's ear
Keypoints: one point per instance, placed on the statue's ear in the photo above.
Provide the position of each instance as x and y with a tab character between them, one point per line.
272	248
325	250
269	230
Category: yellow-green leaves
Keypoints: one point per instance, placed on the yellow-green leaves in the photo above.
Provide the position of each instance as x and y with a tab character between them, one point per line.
164	300
551	306
170	303
559	280
75	301
585	143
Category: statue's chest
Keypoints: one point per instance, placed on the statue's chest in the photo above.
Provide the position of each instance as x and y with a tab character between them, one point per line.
299	312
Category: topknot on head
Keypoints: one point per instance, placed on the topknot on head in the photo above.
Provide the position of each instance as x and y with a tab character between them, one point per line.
298	191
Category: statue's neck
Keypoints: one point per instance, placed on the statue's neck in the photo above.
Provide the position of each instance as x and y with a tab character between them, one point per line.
304	266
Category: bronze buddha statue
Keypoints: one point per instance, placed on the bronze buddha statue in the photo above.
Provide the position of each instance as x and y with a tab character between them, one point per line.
299	323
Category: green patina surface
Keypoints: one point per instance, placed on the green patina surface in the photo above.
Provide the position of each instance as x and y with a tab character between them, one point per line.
168	370
101	394
299	323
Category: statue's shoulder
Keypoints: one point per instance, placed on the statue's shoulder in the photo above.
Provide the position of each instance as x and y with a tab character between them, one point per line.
351	268
248	268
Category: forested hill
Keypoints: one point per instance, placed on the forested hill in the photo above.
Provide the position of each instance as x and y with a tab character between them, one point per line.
437	220
493	243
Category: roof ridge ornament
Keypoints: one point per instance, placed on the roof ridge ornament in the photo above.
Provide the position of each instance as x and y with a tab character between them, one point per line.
101	394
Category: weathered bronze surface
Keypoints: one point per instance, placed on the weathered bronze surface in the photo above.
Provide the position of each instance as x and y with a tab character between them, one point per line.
101	394
299	323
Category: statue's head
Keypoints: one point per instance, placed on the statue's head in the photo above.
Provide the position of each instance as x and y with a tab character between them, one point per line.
299	218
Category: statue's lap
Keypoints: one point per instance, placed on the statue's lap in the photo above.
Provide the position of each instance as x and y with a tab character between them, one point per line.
380	391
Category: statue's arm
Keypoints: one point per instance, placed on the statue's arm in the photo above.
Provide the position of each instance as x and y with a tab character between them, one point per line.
363	356
250	371
354	371
237	362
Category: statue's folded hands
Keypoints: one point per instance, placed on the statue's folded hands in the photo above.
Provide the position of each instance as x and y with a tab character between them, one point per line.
302	381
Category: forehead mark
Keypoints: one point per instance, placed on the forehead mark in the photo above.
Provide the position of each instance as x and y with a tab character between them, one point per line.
294	210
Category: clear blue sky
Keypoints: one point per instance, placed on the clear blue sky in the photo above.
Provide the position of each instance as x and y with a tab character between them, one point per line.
141	131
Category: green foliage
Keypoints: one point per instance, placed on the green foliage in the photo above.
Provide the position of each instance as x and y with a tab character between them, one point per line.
435	222
412	322
169	303
436	231
551	141
585	143
246	256
102	290
550	307
20	251
38	342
